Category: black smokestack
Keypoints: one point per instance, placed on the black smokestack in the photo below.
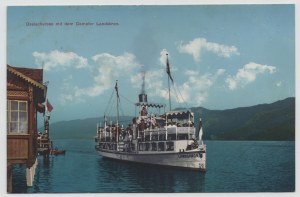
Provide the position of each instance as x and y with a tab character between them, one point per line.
143	95
143	82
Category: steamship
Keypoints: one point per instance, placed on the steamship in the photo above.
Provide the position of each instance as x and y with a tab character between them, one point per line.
167	139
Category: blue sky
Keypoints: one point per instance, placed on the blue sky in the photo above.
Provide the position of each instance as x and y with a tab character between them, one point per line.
221	56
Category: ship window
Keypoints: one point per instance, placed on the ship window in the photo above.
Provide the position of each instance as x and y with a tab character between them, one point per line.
147	147
17	117
182	136
170	146
154	137
132	147
161	146
171	136
141	147
154	146
147	137
162	137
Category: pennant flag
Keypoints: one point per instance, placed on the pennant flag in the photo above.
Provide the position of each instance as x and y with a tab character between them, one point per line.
168	69
116	87
49	106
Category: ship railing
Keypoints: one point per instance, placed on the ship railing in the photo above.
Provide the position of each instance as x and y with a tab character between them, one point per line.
202	147
170	133
185	129
159	146
155	130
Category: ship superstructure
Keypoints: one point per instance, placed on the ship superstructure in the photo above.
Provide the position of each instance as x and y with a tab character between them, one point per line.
168	138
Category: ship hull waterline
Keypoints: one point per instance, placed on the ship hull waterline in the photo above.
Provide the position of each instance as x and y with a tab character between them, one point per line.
185	160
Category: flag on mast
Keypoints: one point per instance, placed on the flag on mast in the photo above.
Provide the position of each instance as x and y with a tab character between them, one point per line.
168	69
116	87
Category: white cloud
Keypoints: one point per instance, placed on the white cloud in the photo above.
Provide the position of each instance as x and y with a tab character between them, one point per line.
163	57
248	74
195	47
124	62
59	60
108	69
196	88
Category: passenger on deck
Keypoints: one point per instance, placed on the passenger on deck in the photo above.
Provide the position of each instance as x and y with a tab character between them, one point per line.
144	112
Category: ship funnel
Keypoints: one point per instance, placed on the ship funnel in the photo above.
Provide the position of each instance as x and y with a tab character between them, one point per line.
143	95
143	98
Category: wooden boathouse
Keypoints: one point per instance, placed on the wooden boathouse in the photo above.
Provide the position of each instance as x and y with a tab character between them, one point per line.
25	95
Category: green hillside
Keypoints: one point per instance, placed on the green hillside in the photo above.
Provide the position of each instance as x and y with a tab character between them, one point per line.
275	121
79	129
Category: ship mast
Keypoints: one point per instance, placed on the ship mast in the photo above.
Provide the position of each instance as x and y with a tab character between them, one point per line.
169	77
169	93
118	100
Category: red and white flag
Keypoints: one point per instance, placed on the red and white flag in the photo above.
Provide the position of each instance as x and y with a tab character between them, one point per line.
49	106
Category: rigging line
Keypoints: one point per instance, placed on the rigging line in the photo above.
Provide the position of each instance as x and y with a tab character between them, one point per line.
121	109
109	101
187	106
108	111
127	99
113	106
180	96
175	90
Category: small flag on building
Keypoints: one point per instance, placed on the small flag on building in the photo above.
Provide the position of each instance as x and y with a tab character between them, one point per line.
49	106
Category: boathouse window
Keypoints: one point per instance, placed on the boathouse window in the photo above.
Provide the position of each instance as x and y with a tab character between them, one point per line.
17	117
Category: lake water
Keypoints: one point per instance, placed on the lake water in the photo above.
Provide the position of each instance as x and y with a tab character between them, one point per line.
232	166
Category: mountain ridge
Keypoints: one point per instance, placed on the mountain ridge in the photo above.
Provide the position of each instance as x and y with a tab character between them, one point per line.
273	121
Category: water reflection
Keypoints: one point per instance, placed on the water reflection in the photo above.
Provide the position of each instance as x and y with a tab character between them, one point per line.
19	178
43	176
234	170
119	176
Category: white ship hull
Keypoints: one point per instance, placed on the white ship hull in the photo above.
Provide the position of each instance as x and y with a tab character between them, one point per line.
189	160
